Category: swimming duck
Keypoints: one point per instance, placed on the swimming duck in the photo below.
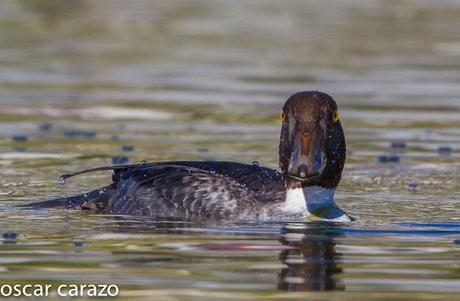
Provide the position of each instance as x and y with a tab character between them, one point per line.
311	158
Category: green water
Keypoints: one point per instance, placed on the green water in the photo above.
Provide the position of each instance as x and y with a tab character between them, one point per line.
195	80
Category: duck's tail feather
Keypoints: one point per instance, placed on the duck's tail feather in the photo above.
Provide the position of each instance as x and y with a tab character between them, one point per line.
94	200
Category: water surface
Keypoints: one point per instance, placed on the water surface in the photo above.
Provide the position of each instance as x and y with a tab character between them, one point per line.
84	81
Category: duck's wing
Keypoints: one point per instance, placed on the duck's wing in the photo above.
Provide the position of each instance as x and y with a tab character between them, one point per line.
180	188
265	183
180	191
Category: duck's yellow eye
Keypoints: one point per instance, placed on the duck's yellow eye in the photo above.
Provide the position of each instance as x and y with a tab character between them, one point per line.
282	116
335	117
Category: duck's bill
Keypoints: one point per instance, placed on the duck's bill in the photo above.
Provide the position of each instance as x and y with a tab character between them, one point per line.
311	178
308	158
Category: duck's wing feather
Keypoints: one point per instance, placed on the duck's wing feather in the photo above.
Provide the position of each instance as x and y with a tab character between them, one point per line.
181	188
180	191
265	183
95	200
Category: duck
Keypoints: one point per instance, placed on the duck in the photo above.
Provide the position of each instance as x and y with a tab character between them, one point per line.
312	153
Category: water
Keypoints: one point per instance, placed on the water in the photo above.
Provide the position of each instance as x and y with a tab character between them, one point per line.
79	80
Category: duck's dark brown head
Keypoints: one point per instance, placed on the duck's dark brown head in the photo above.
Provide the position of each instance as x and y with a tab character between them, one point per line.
312	144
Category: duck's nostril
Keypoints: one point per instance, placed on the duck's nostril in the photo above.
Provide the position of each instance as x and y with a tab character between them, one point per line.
302	171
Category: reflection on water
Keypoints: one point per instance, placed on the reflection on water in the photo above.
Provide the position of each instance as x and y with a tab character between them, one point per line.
313	263
87	83
307	253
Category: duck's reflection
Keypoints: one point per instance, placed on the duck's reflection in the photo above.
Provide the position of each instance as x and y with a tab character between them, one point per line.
313	263
308	250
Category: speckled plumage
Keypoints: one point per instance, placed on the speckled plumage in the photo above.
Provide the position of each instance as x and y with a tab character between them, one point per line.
191	189
216	189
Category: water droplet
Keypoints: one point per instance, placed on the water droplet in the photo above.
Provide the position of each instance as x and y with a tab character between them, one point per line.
127	148
46	126
398	144
19	138
445	150
61	181
77	133
78	243
117	160
10	235
412	185
388	159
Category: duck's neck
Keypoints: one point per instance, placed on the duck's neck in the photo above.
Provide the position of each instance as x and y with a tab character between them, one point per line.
313	200
308	199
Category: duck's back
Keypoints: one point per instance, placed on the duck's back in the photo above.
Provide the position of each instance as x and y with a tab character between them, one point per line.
216	189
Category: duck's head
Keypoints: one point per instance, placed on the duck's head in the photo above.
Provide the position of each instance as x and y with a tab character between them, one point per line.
312	144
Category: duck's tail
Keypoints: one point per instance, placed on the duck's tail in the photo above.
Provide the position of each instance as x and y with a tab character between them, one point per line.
94	200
